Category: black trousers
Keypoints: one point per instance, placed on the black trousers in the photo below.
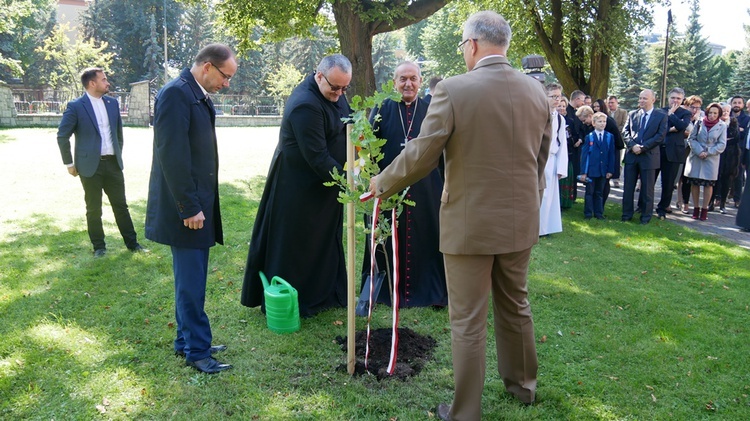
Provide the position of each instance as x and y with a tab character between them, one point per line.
668	180
646	196
109	179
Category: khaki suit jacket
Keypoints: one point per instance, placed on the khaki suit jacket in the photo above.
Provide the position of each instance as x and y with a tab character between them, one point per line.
494	125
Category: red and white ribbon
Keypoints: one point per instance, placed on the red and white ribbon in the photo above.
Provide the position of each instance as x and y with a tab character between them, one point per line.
395	303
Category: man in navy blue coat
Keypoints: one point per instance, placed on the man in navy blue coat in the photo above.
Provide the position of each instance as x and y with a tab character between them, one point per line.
95	120
672	151
643	134
183	198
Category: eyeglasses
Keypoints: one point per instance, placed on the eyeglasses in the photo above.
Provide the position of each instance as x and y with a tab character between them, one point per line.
695	107
555	97
228	78
460	48
335	88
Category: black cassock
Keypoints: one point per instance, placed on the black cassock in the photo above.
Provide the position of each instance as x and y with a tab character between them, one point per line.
299	224
422	273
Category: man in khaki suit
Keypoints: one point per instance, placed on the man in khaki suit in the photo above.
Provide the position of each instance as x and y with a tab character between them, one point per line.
494	125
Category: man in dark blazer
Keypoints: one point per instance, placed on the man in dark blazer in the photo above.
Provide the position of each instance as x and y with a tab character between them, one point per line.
183	197
643	133
489	216
95	120
672	151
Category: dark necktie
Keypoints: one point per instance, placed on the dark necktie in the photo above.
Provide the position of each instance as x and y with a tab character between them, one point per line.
600	138
642	127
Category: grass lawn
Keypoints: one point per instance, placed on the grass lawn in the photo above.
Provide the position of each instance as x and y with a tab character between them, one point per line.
632	322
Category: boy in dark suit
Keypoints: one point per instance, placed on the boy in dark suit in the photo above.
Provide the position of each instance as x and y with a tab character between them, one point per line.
597	166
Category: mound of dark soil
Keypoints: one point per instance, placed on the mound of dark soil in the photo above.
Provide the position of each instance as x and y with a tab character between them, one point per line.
414	350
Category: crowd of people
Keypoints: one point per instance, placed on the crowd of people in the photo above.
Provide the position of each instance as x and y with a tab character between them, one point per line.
689	148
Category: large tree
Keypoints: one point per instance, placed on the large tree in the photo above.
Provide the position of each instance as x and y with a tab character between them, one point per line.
357	21
579	38
23	26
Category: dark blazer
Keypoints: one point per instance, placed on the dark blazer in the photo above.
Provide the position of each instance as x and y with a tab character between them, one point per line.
598	159
674	142
184	171
79	119
652	138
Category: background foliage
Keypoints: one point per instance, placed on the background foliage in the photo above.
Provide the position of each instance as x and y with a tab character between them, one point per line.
130	35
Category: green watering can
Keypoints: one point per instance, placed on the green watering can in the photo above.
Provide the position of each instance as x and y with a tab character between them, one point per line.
282	305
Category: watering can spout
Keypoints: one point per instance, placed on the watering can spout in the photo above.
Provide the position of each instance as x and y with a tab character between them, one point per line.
263	279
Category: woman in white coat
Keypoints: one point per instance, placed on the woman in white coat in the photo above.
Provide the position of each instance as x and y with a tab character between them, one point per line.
707	141
550	218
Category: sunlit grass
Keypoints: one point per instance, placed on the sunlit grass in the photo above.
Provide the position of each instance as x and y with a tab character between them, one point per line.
632	322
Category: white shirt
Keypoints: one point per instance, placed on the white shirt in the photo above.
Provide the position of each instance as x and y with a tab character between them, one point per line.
102	120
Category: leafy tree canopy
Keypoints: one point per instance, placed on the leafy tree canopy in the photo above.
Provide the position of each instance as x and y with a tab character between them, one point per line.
357	21
578	37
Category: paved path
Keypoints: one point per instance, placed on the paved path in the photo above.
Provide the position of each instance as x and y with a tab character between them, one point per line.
716	225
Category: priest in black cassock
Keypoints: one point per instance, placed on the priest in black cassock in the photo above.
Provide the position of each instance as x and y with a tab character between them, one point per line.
422	273
299	224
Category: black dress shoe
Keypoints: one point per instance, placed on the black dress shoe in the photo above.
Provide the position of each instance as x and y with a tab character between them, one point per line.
443	411
744	229
208	365
139	249
625	219
214	349
99	253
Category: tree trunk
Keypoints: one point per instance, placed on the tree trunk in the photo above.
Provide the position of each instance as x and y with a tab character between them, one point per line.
356	44
599	77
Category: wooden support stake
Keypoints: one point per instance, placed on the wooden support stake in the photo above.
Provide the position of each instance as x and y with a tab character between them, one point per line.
350	257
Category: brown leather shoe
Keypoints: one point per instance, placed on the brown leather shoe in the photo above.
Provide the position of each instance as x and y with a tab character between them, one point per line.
443	411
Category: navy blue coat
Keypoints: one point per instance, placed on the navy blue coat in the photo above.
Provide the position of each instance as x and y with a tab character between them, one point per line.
674	142
184	171
79	119
598	159
650	140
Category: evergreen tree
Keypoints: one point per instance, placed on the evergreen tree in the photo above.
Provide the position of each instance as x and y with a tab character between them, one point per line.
305	53
121	24
196	25
384	59
740	79
677	63
153	53
700	73
631	77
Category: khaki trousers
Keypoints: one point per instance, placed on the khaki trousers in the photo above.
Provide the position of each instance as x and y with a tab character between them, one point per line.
470	280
